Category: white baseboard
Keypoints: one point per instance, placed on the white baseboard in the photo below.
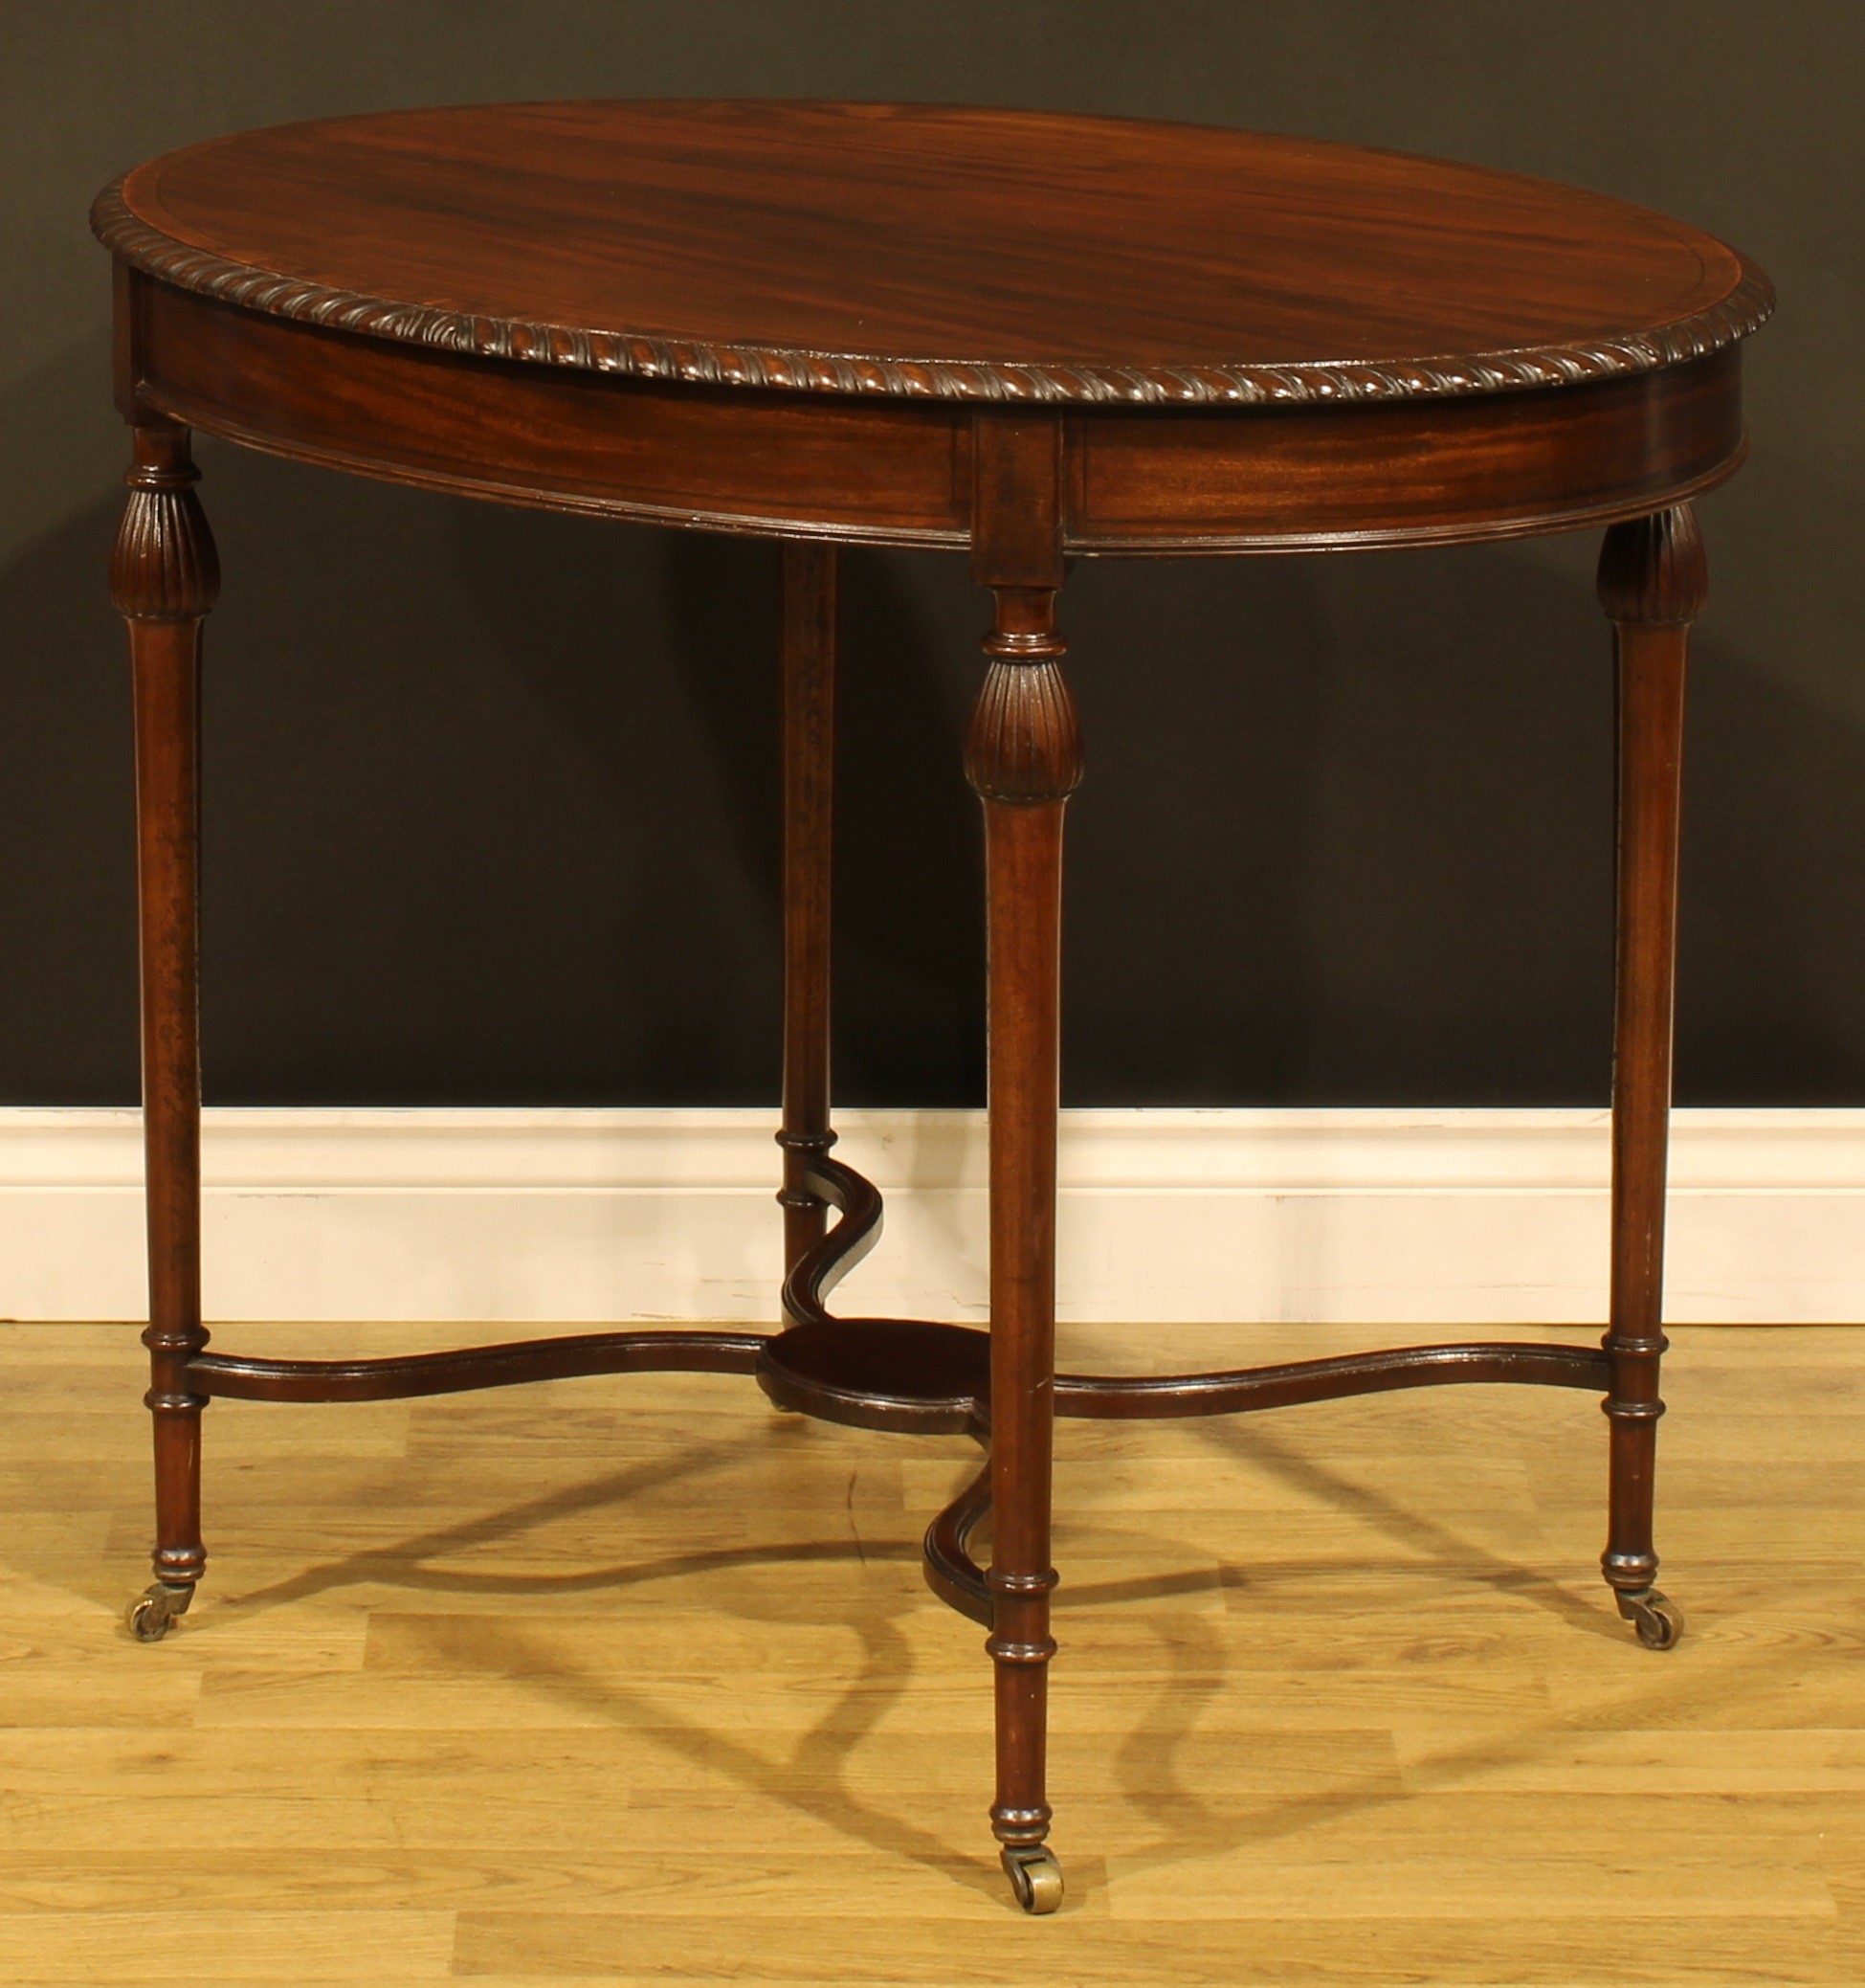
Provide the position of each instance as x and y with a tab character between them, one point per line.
1397	1217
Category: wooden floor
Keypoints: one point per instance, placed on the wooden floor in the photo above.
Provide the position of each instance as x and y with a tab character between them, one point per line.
635	1681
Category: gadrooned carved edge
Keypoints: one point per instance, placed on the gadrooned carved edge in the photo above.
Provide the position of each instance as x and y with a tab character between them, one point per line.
697	363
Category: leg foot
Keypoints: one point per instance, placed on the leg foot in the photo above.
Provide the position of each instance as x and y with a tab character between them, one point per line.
1658	1619
156	1610
1036	1876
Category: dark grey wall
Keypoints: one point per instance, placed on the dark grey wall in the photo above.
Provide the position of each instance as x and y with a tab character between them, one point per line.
491	794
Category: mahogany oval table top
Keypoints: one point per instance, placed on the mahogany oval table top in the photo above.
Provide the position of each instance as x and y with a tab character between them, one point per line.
935	252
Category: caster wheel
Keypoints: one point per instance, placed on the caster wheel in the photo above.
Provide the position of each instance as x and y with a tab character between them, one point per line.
1658	1619
1035	1878
154	1613
147	1620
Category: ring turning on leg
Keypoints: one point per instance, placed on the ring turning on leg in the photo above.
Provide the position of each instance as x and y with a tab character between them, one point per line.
164	577
1023	757
1652	582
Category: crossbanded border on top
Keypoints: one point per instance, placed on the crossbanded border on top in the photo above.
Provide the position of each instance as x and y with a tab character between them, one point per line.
696	361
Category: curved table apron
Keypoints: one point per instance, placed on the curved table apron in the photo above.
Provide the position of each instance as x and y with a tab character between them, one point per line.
1023	464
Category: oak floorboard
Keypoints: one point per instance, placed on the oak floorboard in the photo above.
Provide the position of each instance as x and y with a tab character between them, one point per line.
270	1945
631	1681
577	1951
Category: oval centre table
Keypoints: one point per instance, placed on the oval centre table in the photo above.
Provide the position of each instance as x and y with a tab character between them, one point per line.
1030	338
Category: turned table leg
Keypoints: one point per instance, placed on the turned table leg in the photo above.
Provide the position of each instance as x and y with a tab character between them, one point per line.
1651	583
809	751
163	578
1024	758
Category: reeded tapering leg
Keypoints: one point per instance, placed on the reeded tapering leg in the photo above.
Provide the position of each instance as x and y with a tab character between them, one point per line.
1024	758
809	731
1651	583
163	578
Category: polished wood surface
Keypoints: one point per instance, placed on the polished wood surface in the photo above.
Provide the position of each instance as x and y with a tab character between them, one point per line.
1023	756
618	309
1027	336
807	667
584	1687
163	578
900	473
928	252
1652	580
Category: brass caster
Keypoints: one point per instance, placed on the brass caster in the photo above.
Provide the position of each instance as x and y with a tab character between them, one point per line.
1658	1619
156	1611
1035	1877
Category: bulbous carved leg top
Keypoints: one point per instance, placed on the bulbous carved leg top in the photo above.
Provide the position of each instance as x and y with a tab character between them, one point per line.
1652	570
1025	742
164	567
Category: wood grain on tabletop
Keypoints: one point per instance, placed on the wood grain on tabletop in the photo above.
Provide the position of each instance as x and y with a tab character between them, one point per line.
893	238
